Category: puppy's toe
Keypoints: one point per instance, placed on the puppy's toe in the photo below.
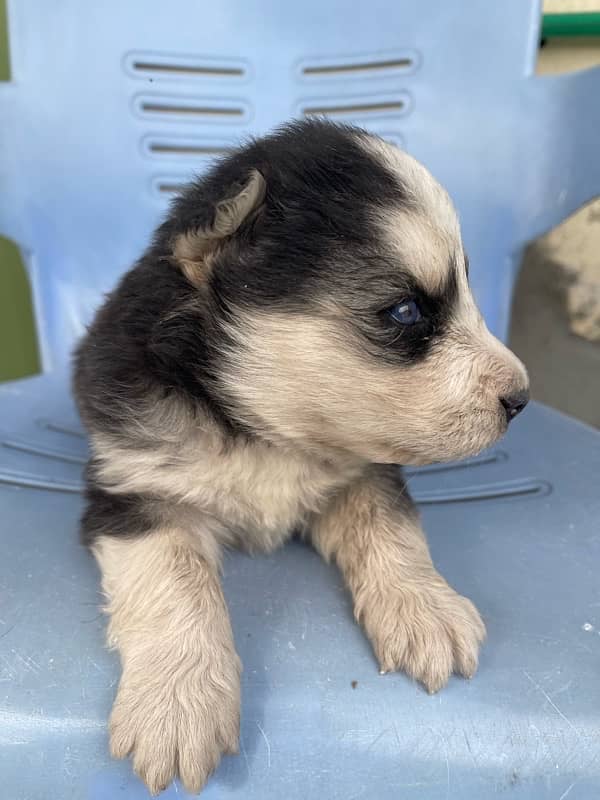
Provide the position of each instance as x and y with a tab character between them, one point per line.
122	732
468	632
438	665
154	757
195	768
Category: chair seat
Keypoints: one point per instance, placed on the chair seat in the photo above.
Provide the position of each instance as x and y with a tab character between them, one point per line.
516	530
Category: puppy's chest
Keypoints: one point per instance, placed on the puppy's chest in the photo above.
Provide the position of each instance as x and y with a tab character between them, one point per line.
259	493
265	493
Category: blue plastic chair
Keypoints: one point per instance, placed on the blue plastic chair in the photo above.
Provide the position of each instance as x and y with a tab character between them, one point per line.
112	106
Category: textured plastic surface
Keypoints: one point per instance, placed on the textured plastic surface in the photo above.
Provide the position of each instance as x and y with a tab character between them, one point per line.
111	106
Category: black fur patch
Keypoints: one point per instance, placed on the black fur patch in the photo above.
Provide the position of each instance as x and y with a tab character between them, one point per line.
116	515
321	182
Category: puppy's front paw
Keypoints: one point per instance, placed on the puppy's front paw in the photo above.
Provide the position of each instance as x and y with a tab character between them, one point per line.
176	724
429	632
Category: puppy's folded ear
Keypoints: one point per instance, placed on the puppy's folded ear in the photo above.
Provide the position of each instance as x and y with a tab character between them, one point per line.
195	249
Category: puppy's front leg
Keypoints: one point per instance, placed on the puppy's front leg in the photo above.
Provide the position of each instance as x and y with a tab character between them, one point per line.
177	706
416	622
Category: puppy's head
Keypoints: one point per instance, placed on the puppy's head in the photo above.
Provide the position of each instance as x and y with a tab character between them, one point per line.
339	290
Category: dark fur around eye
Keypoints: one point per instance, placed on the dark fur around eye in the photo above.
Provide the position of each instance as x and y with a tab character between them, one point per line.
398	344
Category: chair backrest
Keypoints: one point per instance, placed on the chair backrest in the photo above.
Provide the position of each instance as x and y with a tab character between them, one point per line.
115	104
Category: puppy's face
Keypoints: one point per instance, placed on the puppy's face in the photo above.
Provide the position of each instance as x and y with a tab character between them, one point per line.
350	323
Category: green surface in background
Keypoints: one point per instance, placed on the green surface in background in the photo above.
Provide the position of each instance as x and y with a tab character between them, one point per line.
567	25
18	346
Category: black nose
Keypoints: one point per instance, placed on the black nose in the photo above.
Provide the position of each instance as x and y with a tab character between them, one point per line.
515	403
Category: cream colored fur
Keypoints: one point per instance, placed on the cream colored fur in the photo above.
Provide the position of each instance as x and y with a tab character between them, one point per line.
253	488
305	379
415	621
428	198
177	707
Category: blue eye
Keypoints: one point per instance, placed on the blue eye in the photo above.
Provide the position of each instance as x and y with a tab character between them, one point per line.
406	313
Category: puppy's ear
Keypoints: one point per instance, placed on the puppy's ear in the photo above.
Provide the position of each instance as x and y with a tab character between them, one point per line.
195	249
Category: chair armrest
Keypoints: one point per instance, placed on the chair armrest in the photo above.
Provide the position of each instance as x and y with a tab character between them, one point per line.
564	117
